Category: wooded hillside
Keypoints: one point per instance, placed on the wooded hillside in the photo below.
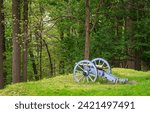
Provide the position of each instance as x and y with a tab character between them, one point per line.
44	38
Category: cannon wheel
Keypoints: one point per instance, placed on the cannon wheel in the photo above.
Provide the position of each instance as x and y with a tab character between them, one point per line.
85	71
102	64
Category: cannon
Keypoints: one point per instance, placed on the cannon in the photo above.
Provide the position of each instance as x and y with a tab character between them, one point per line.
88	71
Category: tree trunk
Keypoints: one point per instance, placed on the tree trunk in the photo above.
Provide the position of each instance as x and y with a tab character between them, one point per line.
87	30
49	57
61	67
16	41
61	63
41	45
33	65
130	60
25	30
2	33
41	37
129	32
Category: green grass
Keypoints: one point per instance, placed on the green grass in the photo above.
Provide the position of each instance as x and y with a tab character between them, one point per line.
65	85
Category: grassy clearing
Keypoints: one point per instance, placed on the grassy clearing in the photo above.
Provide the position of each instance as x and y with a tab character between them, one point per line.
65	85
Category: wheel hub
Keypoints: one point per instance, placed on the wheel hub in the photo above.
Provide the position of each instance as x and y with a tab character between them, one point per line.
85	73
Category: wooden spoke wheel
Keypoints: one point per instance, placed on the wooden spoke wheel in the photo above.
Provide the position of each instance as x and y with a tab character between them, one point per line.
85	71
102	64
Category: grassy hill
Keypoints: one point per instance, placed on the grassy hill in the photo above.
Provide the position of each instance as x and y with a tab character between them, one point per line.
65	85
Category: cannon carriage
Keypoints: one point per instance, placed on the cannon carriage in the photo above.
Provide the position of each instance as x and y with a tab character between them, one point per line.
88	71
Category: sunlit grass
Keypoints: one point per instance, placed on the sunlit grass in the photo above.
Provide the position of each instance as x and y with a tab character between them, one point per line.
65	85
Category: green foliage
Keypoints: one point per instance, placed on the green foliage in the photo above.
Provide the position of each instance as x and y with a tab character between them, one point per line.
61	24
65	85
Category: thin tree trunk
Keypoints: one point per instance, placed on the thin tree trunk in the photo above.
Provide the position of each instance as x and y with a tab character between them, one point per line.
41	45
87	30
61	63
33	65
61	67
41	38
49	57
16	41
25	29
2	33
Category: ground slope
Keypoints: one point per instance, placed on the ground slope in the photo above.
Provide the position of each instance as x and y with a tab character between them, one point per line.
65	85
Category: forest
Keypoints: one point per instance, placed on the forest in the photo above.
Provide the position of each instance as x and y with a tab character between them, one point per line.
45	38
